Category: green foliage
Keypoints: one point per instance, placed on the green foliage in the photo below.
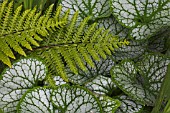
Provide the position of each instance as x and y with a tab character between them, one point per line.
93	9
141	81
77	44
101	67
144	18
164	95
22	30
128	105
97	56
30	4
15	81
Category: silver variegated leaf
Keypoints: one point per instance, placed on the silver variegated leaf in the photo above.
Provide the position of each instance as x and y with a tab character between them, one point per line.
114	27
102	67
58	80
144	31
109	105
158	41
142	81
124	75
131	51
128	105
54	81
75	99
36	100
92	8
101	85
153	68
23	75
145	16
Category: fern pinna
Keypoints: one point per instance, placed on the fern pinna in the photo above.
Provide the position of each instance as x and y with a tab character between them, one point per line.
76	44
23	29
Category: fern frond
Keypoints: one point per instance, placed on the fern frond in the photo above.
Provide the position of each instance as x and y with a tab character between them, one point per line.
74	45
24	29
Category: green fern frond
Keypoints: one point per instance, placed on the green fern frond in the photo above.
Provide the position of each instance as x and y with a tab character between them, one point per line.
24	29
74	45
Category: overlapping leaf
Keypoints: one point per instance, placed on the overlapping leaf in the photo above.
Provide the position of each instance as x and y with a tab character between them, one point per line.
109	105
101	85
142	81
75	99
23	75
36	100
128	105
112	24
58	80
53	81
92	8
157	43
131	51
146	17
163	100
102	67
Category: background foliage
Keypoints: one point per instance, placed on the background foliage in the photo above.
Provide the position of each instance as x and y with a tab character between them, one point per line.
104	56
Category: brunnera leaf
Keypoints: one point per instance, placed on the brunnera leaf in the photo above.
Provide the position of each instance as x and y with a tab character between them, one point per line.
109	105
75	99
128	105
92	8
141	81
141	32
36	100
58	80
131	51
23	75
101	67
101	85
113	25
157	43
145	17
53	80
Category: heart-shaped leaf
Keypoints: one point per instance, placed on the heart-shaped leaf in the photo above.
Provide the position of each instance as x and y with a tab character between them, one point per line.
92	8
23	75
102	67
146	17
36	100
153	68
128	105
109	105
101	85
75	99
142	81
